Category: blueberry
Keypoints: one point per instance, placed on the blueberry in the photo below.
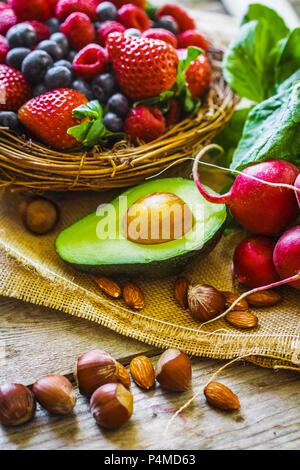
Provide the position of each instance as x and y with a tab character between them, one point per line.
58	77
118	104
21	35
104	86
83	87
62	41
71	56
64	63
52	47
35	65
9	119
39	90
16	56
107	11
53	25
113	122
132	32
167	22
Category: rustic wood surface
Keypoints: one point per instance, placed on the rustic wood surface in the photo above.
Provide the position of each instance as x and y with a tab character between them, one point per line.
35	341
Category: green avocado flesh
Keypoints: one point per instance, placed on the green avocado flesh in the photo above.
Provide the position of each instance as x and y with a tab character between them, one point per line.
84	246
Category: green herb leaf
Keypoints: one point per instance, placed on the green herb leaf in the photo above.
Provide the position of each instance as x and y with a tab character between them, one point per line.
151	10
192	54
249	63
157	100
93	131
272	130
289	59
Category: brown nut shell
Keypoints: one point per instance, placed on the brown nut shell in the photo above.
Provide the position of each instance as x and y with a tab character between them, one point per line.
55	393
174	371
112	405
205	302
17	404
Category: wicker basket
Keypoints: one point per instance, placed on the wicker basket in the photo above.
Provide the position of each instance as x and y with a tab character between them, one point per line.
26	164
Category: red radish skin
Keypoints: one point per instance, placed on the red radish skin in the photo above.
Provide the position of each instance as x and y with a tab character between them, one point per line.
297	186
287	255
259	207
253	264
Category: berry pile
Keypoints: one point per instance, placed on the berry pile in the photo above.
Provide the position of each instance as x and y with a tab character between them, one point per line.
146	67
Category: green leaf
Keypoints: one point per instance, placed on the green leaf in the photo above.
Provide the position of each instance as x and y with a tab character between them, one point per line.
276	25
289	82
249	63
93	131
272	130
231	134
156	100
289	58
191	105
151	10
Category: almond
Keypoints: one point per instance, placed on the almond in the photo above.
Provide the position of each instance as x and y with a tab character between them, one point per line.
142	372
133	296
123	375
220	396
181	292
265	298
231	297
243	320
108	286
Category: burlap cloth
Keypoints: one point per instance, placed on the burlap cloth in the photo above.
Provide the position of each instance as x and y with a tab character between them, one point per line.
31	270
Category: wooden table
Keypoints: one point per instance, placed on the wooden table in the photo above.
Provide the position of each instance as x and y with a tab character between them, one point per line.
35	341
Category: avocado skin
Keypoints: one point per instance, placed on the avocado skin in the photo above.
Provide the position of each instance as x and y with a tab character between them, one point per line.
154	269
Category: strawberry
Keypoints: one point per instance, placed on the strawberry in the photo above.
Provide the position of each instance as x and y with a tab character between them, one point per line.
191	37
180	15
145	123
198	76
144	68
92	60
49	117
30	10
3	49
42	31
7	20
107	28
132	16
14	89
138	3
162	35
64	8
52	6
79	30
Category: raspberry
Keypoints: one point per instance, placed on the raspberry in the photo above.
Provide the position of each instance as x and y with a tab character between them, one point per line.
107	28
30	9
92	60
162	35
146	124
179	14
191	37
64	8
3	49
42	31
7	20
79	30
132	16
138	3
174	114
198	76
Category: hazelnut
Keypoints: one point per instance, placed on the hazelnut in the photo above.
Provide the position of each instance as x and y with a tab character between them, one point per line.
205	302
55	393
39	215
174	371
17	404
96	368
112	405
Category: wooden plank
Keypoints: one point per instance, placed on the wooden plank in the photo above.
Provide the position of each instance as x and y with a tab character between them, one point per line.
35	341
269	418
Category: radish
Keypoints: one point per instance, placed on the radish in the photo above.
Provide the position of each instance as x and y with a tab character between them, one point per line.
253	262
262	208
297	185
287	256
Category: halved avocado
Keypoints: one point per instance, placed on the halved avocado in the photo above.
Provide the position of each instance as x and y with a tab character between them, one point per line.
113	255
